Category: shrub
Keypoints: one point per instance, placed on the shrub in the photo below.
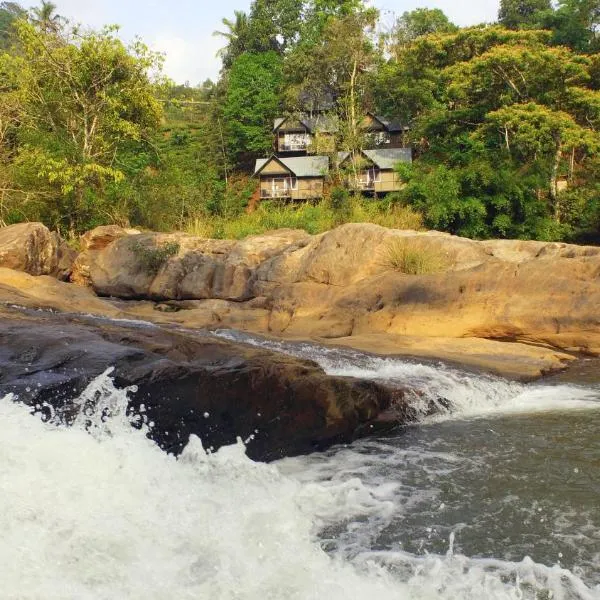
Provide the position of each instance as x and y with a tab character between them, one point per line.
151	258
414	259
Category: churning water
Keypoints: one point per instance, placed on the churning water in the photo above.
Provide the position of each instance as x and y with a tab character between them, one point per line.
497	499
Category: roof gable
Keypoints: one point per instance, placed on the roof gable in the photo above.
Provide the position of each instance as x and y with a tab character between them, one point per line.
289	124
272	165
299	166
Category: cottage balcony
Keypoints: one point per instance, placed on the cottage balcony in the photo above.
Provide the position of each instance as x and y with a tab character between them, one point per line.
295	147
277	193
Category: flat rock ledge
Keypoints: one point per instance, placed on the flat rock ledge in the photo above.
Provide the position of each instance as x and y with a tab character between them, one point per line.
517	308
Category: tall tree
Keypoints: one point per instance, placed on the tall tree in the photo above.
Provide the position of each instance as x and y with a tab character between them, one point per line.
81	98
9	13
576	24
419	22
45	17
524	14
237	34
251	102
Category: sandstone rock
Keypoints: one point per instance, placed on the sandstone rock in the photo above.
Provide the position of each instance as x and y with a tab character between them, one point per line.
32	248
46	292
92	242
100	237
188	384
338	286
201	269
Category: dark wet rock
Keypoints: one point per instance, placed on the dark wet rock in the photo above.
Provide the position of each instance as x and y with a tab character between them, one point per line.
189	384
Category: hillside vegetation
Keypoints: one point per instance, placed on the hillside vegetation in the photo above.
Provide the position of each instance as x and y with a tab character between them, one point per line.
503	119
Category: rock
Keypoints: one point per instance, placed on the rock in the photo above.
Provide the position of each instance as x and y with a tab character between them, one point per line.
516	308
44	292
94	241
33	249
189	384
100	237
199	269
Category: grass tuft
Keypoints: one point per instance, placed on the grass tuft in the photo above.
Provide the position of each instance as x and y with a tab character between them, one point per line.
414	259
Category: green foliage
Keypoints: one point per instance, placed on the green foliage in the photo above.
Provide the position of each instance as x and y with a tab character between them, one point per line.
412	258
252	101
9	13
151	259
505	120
313	218
78	100
523	14
419	22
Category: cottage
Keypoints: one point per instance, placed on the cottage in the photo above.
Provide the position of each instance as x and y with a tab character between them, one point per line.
384	133
296	137
373	171
292	178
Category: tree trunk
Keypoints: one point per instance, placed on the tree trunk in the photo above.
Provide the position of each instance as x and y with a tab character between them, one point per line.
554	181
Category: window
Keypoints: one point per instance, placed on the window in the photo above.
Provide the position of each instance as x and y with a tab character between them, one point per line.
381	138
282	186
294	142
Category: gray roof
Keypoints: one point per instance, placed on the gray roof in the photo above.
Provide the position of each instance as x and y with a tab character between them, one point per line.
300	166
391	126
384	158
388	158
323	123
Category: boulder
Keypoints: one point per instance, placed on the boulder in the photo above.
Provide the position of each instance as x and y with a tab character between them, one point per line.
92	242
100	237
187	384
33	249
183	267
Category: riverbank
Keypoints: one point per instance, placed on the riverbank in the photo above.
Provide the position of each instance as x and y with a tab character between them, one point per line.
517	309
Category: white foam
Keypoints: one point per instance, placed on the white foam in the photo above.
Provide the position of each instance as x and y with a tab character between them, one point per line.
471	394
109	515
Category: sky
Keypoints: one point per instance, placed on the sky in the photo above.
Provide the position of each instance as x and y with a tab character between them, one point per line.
182	29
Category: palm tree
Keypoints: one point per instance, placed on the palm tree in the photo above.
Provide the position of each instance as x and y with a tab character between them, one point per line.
236	36
45	17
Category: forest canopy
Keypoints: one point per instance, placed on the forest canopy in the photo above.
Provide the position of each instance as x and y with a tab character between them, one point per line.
503	117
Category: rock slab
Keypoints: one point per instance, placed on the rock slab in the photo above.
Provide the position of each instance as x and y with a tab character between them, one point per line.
188	384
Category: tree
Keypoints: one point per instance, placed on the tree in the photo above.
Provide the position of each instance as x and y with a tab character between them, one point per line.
9	13
44	16
524	14
334	70
575	24
507	116
419	22
537	133
251	102
81	98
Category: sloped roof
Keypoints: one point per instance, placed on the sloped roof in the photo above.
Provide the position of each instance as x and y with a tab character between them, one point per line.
323	123
300	166
391	126
384	158
278	123
388	158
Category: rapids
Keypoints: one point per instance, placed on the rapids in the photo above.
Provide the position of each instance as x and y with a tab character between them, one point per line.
499	498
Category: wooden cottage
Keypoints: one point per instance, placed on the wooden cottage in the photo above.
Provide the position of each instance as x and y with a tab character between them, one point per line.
292	178
305	135
373	171
384	133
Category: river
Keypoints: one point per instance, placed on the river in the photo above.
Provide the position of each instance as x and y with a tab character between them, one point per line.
497	497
